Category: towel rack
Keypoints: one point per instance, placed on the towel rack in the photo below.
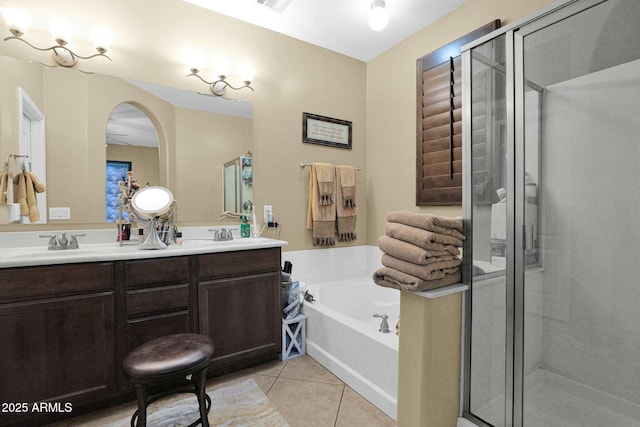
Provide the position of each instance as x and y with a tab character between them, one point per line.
306	165
7	165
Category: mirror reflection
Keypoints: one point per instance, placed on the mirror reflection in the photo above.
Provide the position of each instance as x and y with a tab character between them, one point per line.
196	134
132	147
238	185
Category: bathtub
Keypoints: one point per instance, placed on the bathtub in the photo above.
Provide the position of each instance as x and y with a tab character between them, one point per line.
343	336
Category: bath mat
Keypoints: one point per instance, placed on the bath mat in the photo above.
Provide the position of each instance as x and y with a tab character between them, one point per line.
242	404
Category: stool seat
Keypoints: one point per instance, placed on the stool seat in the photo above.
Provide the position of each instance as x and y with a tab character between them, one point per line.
185	356
167	356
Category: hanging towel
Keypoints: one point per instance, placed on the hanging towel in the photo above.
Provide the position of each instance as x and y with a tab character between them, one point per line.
409	252
38	186
346	203
321	217
28	186
419	236
32	203
326	177
437	224
22	194
391	278
347	185
431	271
3	188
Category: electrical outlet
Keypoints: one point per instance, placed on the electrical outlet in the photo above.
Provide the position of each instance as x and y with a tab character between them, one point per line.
268	214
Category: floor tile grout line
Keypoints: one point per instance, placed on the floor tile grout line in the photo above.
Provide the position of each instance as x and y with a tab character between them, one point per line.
311	381
335	423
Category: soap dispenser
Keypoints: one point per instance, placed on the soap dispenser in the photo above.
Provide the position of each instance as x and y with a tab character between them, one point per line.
245	228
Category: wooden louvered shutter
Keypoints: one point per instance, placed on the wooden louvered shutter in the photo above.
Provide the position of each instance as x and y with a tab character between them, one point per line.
439	123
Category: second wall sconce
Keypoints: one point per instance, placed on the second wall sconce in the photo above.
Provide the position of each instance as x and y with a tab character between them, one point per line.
218	87
194	59
18	22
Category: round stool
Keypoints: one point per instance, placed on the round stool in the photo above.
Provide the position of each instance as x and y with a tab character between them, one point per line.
169	358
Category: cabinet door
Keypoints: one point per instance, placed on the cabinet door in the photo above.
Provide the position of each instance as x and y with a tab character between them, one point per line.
242	316
59	349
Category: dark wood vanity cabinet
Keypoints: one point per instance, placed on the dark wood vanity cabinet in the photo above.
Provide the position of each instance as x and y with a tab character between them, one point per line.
158	299
57	335
239	305
65	329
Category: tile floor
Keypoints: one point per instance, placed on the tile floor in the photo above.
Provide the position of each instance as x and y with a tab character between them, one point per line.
304	392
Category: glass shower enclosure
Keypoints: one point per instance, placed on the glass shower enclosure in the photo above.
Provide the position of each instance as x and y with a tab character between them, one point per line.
552	194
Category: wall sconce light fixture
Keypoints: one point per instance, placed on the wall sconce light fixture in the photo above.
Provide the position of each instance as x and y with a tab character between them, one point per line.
218	87
378	17
18	23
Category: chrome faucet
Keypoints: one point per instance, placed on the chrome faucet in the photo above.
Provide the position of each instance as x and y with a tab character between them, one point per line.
384	326
60	241
222	234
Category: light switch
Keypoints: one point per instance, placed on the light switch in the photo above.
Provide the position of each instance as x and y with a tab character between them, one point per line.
59	213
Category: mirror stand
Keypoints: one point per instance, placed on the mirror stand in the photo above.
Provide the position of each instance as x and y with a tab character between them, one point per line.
153	240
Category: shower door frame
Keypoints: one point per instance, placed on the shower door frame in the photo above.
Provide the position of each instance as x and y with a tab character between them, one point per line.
515	184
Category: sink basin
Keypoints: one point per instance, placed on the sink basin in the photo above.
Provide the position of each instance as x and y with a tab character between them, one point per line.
45	253
235	241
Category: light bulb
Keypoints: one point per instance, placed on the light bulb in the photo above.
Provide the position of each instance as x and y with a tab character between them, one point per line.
16	20
220	66
246	72
60	31
101	39
194	59
379	17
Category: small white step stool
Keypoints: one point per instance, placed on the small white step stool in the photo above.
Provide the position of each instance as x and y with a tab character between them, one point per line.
293	337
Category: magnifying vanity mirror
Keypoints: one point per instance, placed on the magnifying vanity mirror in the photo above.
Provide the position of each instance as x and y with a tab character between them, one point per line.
151	203
195	133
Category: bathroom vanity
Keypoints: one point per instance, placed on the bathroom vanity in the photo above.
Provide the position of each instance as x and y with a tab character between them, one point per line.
65	327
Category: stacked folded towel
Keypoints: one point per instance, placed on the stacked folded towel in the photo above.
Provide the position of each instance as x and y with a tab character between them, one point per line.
420	251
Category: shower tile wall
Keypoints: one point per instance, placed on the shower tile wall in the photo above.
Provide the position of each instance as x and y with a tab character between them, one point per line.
590	291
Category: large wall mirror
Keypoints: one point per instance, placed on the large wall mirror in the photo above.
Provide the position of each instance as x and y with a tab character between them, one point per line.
196	134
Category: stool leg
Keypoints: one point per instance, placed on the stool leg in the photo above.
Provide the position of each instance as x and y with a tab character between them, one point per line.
141	391
200	381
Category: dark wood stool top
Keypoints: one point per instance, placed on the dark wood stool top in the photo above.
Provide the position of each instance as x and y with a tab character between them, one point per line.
168	356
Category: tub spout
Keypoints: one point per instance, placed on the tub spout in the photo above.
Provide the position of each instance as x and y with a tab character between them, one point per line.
308	297
384	326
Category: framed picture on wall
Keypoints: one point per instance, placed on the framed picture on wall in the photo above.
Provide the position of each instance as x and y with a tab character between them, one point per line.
326	131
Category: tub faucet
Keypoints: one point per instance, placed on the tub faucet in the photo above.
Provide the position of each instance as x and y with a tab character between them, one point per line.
384	326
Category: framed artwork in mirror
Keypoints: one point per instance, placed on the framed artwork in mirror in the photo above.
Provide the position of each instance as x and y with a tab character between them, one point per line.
326	131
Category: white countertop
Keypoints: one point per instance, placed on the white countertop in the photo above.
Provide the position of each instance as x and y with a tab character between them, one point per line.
22	256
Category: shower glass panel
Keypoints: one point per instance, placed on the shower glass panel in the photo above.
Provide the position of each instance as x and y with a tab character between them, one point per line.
552	115
489	210
582	155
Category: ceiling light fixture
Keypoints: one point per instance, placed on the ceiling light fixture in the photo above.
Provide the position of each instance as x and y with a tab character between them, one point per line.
378	17
18	23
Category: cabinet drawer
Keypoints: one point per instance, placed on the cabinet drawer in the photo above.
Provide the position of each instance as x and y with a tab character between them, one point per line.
154	300
148	328
225	264
156	271
55	280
